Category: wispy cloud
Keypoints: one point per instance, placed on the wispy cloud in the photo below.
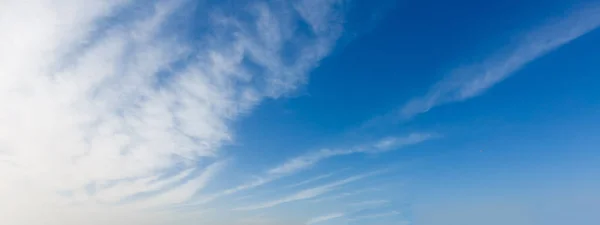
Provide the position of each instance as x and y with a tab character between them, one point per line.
309	193
470	81
370	203
122	190
386	144
374	216
103	99
184	191
346	194
314	179
307	160
324	218
302	162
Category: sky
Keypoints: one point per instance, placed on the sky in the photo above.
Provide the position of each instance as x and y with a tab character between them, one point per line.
299	112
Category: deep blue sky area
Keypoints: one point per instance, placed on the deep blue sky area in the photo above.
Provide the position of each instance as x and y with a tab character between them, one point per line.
411	46
532	134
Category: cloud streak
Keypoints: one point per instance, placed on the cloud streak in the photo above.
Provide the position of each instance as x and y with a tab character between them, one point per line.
314	179
370	203
308	193
302	162
184	191
386	144
375	216
471	81
346	194
324	218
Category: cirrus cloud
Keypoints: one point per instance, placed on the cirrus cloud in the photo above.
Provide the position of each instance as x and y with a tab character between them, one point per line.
102	103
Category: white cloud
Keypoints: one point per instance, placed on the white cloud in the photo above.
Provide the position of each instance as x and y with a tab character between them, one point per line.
308	193
184	191
129	188
390	143
304	161
324	218
101	100
375	215
473	80
346	194
307	160
370	203
314	179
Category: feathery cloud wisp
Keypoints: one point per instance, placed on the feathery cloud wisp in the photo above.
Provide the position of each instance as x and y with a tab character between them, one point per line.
314	179
184	191
305	161
373	216
308	193
370	203
102	101
471	81
385	144
346	194
324	218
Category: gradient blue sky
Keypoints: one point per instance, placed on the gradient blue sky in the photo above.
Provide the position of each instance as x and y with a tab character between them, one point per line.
300	112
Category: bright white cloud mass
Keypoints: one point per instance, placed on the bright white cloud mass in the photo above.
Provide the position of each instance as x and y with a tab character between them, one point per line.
102	102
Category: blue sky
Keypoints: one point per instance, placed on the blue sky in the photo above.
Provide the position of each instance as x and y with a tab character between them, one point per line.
299	112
